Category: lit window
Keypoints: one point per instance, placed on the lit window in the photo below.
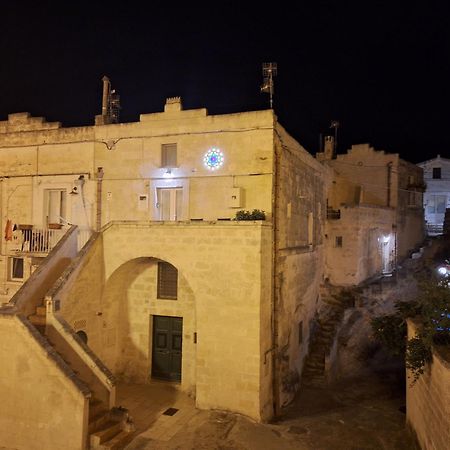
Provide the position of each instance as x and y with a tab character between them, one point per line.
338	241
436	172
169	156
436	204
169	203
167	281
16	268
55	205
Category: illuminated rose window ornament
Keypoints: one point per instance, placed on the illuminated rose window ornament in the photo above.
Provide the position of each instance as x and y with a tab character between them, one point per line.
213	159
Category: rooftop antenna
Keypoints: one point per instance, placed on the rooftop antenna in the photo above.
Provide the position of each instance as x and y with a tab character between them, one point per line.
335	124
110	104
269	71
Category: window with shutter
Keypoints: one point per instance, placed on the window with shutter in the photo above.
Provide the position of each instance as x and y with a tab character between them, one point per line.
167	281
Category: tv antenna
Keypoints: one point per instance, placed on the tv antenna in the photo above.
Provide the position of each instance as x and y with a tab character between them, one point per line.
269	72
335	124
110	103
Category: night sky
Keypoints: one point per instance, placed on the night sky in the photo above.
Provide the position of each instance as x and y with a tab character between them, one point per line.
381	69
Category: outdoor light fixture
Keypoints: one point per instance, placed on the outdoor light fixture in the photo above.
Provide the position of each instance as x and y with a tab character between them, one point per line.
168	173
213	159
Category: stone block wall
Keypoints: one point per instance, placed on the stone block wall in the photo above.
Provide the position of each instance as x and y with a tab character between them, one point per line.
225	292
428	400
41	407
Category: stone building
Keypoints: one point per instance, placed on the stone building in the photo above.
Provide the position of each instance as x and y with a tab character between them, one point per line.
374	212
436	200
168	285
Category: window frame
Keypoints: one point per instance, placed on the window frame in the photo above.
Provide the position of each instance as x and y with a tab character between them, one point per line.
11	269
437	171
169	155
163	290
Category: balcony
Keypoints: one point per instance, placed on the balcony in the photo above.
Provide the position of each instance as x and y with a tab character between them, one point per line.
333	214
29	240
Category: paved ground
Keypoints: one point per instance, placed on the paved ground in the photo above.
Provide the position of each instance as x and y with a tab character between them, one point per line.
364	414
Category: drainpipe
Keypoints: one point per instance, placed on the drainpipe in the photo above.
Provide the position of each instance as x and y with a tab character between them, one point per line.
389	181
100	174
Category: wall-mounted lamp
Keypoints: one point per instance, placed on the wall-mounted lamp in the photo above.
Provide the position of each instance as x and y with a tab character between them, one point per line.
74	191
168	173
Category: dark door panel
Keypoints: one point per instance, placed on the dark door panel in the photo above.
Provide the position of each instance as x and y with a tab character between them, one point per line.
167	347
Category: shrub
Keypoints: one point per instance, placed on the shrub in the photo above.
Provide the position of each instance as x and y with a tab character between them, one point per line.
256	214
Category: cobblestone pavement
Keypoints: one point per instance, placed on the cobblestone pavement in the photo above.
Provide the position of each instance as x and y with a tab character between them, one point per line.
363	414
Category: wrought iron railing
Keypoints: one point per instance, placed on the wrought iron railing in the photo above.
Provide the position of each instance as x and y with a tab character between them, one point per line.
39	240
333	214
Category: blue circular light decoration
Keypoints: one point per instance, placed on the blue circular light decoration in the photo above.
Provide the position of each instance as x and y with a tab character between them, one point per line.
213	158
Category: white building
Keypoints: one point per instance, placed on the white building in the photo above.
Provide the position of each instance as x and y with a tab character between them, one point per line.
436	174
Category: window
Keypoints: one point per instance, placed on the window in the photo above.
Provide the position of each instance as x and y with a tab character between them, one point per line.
436	204
54	206
83	336
169	155
338	241
167	281
16	268
436	172
169	203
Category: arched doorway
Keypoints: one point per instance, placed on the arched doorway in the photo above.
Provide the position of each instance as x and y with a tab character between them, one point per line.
149	307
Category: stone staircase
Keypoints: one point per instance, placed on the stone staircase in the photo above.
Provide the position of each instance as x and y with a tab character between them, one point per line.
108	429
336	301
38	319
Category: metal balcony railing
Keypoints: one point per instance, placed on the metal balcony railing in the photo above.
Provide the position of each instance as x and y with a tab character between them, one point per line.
333	214
39	240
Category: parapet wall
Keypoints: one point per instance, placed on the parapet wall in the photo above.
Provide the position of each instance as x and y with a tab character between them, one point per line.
428	401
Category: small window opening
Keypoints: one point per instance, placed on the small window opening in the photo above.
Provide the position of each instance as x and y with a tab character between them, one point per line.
338	241
16	268
167	281
436	172
83	336
169	156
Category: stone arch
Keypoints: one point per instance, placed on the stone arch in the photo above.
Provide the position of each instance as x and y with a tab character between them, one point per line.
129	303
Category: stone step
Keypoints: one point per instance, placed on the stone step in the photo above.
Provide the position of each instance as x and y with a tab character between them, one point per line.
119	441
41	310
109	430
98	421
96	407
315	382
314	366
37	320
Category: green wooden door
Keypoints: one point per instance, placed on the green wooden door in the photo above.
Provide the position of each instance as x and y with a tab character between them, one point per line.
167	346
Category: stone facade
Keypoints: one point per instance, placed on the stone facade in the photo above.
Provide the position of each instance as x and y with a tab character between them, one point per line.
374	211
247	291
436	174
428	400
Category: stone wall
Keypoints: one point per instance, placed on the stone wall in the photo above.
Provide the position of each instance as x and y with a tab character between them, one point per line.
359	244
41	407
301	185
428	400
225	289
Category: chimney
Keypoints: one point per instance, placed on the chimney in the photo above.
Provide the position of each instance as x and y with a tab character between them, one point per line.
105	96
329	147
173	104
